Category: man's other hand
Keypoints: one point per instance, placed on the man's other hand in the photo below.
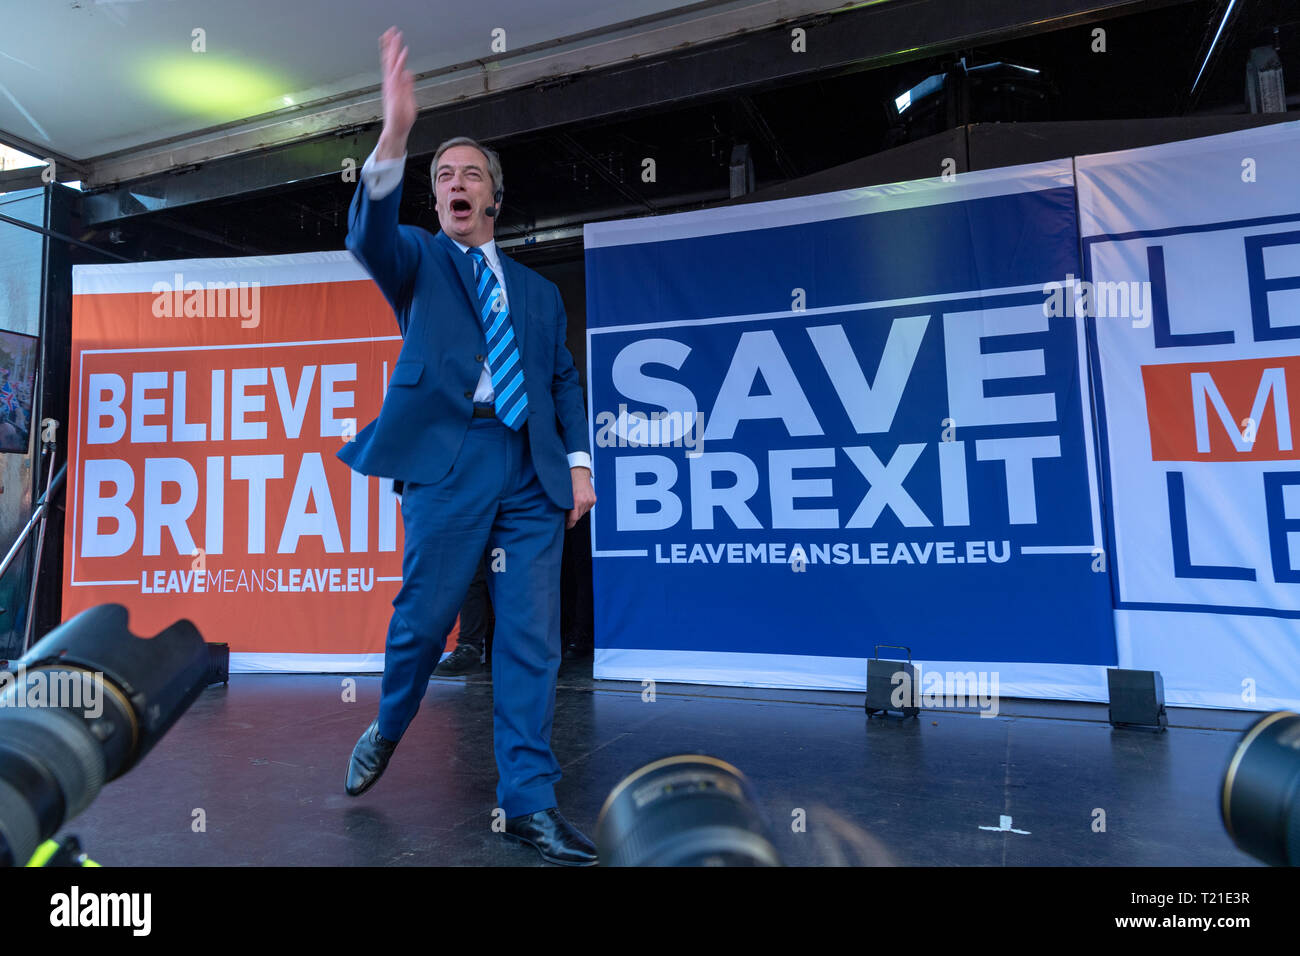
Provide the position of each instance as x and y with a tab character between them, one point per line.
584	496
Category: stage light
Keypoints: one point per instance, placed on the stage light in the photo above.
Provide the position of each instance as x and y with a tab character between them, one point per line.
1261	790
967	92
1265	85
216	89
931	84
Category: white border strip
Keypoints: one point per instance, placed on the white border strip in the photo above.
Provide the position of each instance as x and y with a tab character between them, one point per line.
247	662
299	268
776	213
795	672
1059	549
920	300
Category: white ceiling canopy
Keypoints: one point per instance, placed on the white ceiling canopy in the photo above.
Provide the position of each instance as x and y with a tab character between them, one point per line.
108	83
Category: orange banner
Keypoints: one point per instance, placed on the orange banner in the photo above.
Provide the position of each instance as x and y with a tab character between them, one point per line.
203	481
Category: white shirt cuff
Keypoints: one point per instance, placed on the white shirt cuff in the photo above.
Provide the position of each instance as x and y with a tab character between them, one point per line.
382	176
580	459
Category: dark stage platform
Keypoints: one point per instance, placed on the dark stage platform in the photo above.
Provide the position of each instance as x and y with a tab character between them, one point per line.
264	761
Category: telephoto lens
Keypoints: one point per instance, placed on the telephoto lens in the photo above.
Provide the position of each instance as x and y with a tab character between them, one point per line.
684	810
1261	790
88	701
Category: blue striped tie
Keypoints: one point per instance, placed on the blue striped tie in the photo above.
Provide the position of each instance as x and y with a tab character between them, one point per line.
511	400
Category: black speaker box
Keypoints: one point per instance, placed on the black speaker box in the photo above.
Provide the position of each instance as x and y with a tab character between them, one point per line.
218	664
1137	698
883	683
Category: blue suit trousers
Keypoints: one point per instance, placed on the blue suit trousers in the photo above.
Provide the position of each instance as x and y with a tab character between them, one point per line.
490	499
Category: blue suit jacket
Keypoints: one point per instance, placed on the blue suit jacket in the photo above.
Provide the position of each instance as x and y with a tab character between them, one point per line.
427	409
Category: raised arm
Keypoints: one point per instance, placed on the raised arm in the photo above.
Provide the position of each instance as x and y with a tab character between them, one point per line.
388	251
399	96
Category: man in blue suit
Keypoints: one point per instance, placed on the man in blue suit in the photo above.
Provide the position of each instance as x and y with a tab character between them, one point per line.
483	429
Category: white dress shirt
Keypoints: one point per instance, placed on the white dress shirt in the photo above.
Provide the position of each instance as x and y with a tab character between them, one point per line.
381	177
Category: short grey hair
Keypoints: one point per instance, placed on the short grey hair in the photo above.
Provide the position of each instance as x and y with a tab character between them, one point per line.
493	161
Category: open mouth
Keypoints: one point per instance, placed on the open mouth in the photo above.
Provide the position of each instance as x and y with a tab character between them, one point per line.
461	208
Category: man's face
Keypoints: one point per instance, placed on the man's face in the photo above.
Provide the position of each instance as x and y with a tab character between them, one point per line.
463	189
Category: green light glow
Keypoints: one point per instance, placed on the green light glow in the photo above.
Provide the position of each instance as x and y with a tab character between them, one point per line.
217	89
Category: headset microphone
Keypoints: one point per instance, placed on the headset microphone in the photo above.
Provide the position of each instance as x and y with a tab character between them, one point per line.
491	211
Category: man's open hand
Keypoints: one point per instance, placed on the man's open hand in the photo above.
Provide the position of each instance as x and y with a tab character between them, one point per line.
584	496
399	95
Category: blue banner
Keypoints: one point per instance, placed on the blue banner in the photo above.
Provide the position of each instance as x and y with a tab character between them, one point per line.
862	418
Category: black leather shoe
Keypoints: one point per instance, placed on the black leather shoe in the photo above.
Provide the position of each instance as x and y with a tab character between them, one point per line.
369	758
555	838
463	660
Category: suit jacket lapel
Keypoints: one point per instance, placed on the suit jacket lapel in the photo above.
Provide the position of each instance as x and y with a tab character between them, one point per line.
514	277
464	267
514	273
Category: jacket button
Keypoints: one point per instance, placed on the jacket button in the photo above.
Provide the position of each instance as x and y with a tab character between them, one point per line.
469	394
478	358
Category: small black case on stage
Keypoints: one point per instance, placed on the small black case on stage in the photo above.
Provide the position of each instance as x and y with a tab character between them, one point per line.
218	664
1137	698
883	683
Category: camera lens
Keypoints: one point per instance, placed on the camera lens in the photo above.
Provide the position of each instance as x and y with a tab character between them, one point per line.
1261	790
88	702
685	810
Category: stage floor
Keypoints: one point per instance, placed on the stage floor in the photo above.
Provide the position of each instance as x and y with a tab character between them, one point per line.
264	761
